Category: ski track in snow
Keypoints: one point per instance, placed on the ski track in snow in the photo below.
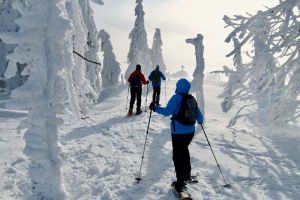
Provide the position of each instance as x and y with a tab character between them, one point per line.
102	154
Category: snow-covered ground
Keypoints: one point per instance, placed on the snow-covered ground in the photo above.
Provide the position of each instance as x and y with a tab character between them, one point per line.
102	155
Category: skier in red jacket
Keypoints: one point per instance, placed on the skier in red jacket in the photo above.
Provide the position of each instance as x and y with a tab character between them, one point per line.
135	80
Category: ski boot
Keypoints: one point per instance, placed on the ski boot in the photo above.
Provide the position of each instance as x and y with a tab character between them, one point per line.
138	111
130	113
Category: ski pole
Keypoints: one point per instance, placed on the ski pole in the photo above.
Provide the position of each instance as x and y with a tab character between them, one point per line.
166	92
226	185
138	179
147	95
127	98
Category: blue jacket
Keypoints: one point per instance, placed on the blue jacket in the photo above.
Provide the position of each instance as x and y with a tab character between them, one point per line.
173	106
156	84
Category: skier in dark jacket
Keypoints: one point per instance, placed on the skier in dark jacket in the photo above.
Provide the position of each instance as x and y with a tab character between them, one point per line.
135	80
182	134
155	77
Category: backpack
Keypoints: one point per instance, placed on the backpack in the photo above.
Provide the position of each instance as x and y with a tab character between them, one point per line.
187	114
136	81
156	76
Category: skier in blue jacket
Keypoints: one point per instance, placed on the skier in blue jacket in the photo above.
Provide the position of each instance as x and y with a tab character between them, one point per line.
182	134
155	77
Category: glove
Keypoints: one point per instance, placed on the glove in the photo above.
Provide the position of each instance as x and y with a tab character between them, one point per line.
147	82
152	106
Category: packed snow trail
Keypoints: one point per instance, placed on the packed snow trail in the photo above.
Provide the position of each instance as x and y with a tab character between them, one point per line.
104	159
102	155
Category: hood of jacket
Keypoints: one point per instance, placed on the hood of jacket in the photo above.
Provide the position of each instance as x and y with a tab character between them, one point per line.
183	86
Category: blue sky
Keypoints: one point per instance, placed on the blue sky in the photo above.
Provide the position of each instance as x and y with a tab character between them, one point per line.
178	20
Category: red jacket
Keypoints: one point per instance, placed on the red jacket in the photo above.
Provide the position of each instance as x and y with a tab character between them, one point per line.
140	75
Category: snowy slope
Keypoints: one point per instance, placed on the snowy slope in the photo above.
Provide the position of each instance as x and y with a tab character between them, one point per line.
102	154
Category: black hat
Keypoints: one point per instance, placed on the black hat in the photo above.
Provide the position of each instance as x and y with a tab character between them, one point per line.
138	67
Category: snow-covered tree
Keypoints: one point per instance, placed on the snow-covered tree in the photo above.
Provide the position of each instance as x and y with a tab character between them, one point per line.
197	83
156	52
85	92
235	79
44	42
13	75
17	80
139	52
7	17
111	68
92	50
268	81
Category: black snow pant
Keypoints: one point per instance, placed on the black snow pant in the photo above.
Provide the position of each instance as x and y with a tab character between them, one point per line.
156	94
181	156
135	93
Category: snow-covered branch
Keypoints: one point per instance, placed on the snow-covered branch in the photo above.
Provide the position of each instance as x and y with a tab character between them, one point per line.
269	76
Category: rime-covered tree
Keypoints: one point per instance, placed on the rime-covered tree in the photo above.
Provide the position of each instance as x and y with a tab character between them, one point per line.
139	52
111	68
13	76
197	83
44	42
85	92
268	81
7	17
92	51
235	79
156	52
